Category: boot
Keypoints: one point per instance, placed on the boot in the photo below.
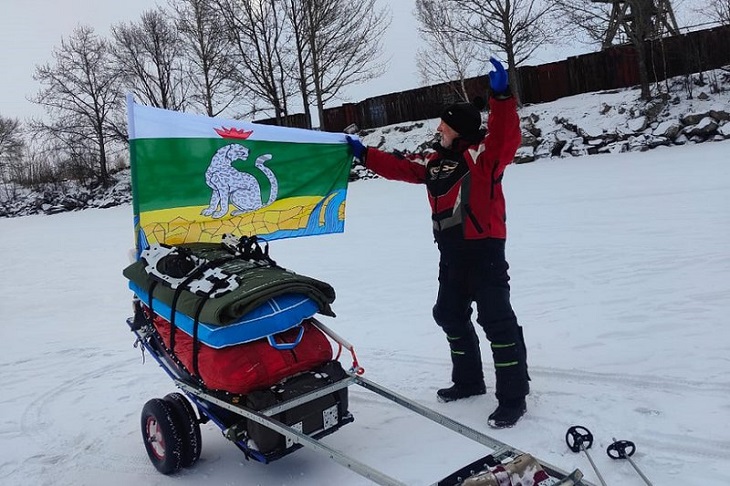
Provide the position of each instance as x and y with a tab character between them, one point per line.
457	392
507	413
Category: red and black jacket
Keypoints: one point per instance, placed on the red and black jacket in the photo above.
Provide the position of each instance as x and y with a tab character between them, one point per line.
464	184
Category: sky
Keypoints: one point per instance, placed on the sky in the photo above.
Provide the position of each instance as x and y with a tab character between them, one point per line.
30	29
619	269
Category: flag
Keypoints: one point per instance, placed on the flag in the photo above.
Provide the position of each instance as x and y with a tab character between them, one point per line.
196	178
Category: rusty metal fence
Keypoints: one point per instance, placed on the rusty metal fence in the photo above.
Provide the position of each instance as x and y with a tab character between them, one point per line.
612	68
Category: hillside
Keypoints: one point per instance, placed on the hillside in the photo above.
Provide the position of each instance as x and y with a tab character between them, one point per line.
693	110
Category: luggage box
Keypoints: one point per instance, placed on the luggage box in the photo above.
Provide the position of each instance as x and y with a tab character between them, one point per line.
319	415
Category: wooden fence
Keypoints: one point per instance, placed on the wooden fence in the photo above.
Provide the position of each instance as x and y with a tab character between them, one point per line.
612	68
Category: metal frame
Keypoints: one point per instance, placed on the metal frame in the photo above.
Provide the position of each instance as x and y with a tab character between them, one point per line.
500	452
202	397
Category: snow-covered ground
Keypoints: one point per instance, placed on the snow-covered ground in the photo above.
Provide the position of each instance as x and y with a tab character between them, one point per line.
620	277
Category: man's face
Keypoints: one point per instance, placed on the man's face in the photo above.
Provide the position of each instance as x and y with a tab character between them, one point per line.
448	134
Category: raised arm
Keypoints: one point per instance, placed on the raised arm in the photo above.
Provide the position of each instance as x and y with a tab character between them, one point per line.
407	168
503	124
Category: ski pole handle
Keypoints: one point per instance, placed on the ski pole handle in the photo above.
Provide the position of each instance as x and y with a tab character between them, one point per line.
624	449
621	449
578	437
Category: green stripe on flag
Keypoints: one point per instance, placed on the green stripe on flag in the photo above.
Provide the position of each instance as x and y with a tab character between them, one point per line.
169	173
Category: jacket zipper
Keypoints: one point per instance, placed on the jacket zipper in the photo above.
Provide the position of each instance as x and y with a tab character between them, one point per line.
473	218
491	193
436	198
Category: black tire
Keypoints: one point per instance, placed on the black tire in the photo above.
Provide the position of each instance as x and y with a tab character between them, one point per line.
189	427
161	435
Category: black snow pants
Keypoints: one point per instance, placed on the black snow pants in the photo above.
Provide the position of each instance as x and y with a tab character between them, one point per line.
476	271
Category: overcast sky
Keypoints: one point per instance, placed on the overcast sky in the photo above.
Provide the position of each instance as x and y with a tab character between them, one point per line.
30	29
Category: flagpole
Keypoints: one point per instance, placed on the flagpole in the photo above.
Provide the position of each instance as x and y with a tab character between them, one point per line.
131	135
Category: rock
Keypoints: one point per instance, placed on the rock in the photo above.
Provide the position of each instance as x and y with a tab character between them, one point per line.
407	128
669	129
525	155
590	132
639	142
615	148
544	149
719	114
724	130
528	139
693	118
557	148
637	124
655	142
653	108
704	128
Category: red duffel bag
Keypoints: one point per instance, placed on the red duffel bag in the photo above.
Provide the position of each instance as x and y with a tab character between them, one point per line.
256	365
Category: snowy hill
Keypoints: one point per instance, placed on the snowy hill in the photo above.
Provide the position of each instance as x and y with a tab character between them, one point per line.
695	110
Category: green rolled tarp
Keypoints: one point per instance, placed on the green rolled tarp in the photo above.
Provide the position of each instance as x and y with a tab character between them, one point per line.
257	284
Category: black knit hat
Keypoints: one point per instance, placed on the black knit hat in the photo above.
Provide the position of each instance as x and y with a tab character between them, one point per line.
464	118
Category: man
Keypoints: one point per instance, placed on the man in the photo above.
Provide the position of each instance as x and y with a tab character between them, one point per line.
463	176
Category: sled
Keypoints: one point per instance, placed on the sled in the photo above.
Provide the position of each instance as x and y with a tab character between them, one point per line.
171	425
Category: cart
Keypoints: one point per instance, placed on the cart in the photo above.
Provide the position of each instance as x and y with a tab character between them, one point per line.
171	425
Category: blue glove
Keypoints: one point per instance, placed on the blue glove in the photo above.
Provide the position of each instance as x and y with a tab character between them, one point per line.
358	149
498	79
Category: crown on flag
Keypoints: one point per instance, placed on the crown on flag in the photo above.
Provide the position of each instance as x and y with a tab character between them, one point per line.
233	133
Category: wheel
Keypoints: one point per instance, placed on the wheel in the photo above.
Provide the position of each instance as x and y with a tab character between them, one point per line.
189	427
161	435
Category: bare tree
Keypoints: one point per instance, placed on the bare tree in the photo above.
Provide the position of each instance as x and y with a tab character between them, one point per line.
344	39
296	16
591	19
11	144
11	153
596	19
445	58
150	56
721	10
261	53
516	28
207	49
80	92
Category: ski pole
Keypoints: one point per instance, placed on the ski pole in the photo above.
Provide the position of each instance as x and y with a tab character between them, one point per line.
582	440
624	449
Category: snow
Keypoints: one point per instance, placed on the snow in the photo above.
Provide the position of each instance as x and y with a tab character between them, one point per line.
619	268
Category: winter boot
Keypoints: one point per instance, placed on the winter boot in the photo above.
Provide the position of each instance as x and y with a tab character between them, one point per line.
508	413
457	392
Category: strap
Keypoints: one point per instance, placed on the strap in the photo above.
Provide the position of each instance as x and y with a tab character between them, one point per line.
249	248
150	293
196	343
196	321
178	291
286	346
